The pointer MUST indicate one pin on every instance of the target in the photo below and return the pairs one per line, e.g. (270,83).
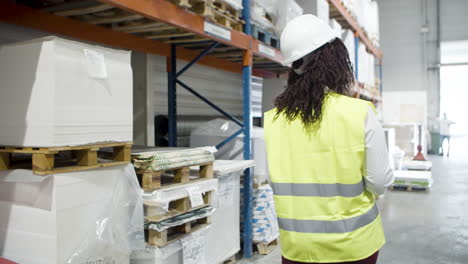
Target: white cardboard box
(74,218)
(57,92)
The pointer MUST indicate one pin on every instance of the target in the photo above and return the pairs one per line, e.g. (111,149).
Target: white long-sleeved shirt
(378,173)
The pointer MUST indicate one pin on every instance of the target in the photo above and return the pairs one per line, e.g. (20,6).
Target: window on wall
(454,85)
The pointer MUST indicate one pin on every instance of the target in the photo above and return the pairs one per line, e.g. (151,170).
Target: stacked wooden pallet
(45,161)
(214,10)
(176,201)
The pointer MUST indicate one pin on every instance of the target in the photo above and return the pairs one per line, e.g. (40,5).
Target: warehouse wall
(410,52)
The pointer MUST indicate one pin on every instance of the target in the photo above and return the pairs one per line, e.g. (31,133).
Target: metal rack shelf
(163,28)
(341,14)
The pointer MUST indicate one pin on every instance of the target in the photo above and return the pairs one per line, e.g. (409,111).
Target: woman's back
(324,212)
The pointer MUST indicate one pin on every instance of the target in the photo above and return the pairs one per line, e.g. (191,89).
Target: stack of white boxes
(56,92)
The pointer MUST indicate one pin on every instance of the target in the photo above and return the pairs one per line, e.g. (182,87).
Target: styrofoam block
(57,92)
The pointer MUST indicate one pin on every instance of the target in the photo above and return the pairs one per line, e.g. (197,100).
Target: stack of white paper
(57,92)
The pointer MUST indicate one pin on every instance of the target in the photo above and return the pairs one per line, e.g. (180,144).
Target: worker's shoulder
(344,99)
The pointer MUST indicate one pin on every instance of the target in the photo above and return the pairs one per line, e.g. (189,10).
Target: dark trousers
(370,260)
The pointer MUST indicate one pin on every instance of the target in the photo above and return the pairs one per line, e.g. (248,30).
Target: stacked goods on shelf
(366,13)
(225,225)
(262,15)
(287,10)
(178,204)
(57,92)
(224,12)
(217,130)
(366,67)
(61,99)
(337,28)
(348,40)
(265,226)
(319,8)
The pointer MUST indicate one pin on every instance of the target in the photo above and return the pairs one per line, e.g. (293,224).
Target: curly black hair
(329,68)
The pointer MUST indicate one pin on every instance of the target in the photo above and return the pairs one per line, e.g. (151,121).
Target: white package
(319,8)
(93,216)
(348,40)
(337,28)
(287,10)
(173,253)
(260,10)
(157,202)
(57,92)
(215,131)
(225,220)
(264,222)
(236,4)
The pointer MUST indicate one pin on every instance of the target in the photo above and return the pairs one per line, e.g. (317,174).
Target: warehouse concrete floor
(424,227)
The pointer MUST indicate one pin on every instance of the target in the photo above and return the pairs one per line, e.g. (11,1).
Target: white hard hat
(302,35)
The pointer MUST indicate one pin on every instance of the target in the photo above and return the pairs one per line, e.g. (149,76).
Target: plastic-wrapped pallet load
(287,10)
(262,13)
(413,178)
(348,40)
(225,220)
(319,8)
(265,225)
(236,4)
(337,28)
(57,92)
(92,216)
(215,131)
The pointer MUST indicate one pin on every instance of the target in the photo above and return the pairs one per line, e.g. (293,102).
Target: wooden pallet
(176,208)
(267,248)
(231,260)
(218,12)
(45,161)
(160,239)
(151,180)
(409,188)
(265,36)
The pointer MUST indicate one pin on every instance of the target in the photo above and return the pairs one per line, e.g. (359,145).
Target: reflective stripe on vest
(338,226)
(316,189)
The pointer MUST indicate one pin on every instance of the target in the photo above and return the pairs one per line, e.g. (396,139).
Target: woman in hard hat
(326,152)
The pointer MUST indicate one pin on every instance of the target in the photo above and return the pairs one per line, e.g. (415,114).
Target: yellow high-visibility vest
(324,213)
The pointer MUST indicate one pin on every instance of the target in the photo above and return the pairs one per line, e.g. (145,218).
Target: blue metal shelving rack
(246,123)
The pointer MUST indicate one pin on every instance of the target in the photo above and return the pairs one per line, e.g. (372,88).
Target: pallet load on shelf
(91,216)
(215,131)
(287,10)
(366,67)
(366,13)
(319,8)
(337,28)
(227,13)
(348,40)
(262,15)
(178,204)
(265,227)
(57,93)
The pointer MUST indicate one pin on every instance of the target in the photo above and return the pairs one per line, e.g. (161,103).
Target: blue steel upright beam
(248,182)
(171,96)
(356,56)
